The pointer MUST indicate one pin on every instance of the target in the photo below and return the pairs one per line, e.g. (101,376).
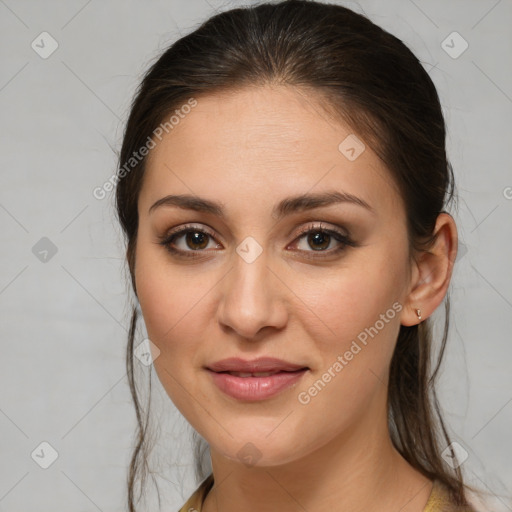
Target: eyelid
(319,226)
(342,236)
(185,227)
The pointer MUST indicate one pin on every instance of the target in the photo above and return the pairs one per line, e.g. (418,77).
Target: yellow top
(438,501)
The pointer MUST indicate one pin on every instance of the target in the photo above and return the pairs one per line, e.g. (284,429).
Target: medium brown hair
(371,80)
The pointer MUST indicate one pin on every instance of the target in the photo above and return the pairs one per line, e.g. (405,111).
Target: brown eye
(318,240)
(187,240)
(196,240)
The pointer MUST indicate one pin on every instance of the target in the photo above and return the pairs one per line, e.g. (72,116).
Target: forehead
(263,143)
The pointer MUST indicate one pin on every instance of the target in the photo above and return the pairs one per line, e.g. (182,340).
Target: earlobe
(432,274)
(411,315)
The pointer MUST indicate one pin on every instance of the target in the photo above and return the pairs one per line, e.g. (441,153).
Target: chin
(258,451)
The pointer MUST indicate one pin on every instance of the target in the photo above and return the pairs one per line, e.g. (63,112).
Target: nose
(253,298)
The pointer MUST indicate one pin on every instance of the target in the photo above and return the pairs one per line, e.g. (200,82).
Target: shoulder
(195,502)
(440,500)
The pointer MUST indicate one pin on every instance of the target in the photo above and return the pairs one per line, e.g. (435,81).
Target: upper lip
(262,364)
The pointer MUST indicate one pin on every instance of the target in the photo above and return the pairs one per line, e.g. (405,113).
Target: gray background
(64,320)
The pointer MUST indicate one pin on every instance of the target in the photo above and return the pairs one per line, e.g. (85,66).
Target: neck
(359,470)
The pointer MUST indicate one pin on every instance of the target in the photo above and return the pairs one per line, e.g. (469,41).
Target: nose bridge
(250,297)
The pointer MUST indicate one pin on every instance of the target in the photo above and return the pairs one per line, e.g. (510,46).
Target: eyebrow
(285,207)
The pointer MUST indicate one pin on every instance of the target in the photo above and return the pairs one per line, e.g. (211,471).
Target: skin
(249,149)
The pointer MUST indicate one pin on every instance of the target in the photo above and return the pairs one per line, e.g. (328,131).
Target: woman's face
(248,282)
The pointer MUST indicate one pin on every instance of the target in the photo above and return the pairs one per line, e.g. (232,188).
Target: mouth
(262,365)
(245,375)
(255,380)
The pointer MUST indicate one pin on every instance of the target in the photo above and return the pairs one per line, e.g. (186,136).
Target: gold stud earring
(418,312)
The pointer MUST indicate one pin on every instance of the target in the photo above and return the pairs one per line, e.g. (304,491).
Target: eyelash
(343,239)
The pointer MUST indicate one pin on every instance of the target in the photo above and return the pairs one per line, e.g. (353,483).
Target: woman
(282,185)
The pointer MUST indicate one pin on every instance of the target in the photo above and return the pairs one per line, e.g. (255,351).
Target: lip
(262,364)
(285,375)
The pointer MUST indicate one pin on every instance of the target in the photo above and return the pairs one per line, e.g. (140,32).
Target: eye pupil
(317,238)
(196,237)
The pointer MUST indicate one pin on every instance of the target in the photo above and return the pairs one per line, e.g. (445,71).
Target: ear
(431,273)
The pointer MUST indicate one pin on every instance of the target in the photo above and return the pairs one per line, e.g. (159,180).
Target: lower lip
(255,388)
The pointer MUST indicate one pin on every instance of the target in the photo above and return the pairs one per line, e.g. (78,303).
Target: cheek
(168,302)
(172,310)
(353,319)
(346,302)
(162,292)
(177,310)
